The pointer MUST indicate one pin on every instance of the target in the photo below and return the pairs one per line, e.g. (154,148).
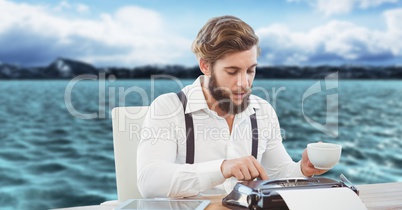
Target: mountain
(66,69)
(63,68)
(59,69)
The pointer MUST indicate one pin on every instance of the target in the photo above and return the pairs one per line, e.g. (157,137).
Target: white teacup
(324,156)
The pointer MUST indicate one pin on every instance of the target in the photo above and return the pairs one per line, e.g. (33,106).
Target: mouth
(240,95)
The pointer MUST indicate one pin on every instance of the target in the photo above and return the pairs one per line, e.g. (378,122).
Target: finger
(238,174)
(245,171)
(318,172)
(309,164)
(305,154)
(261,171)
(253,172)
(252,168)
(314,171)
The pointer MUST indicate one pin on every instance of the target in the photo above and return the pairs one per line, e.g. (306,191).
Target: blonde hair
(222,35)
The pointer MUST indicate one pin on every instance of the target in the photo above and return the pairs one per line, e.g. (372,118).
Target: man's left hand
(307,167)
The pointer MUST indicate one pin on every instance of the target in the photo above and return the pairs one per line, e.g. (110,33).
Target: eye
(231,73)
(251,71)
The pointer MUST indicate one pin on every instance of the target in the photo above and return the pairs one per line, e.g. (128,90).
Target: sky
(130,33)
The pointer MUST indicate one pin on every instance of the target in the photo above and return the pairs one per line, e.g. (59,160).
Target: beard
(222,96)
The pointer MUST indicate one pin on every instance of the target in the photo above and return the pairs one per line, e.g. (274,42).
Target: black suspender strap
(254,130)
(189,129)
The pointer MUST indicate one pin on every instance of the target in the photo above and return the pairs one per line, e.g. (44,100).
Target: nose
(243,80)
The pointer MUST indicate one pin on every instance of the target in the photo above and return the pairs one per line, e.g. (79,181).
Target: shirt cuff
(209,174)
(298,170)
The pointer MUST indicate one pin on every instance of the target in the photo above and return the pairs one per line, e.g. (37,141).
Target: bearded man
(218,132)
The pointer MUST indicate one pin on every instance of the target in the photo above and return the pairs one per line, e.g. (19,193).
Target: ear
(204,66)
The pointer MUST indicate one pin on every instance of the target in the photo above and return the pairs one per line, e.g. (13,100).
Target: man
(222,111)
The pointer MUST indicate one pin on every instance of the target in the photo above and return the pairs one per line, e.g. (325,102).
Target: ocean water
(52,157)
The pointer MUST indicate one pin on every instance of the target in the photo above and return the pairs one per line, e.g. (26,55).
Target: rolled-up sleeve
(275,158)
(279,164)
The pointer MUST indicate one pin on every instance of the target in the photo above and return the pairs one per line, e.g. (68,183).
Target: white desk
(385,196)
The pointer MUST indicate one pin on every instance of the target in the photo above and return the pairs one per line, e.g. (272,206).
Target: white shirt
(161,154)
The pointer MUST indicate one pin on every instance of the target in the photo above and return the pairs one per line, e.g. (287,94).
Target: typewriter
(263,194)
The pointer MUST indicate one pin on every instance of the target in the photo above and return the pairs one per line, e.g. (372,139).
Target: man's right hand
(245,168)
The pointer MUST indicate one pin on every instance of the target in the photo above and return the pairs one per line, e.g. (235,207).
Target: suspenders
(254,130)
(190,131)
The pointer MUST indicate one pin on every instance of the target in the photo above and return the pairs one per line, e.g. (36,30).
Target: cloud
(132,36)
(331,7)
(82,8)
(36,35)
(62,5)
(393,36)
(336,42)
(67,6)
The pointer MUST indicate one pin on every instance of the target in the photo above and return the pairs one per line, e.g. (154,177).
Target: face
(231,80)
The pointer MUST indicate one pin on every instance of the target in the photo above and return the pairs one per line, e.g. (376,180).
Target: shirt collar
(196,100)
